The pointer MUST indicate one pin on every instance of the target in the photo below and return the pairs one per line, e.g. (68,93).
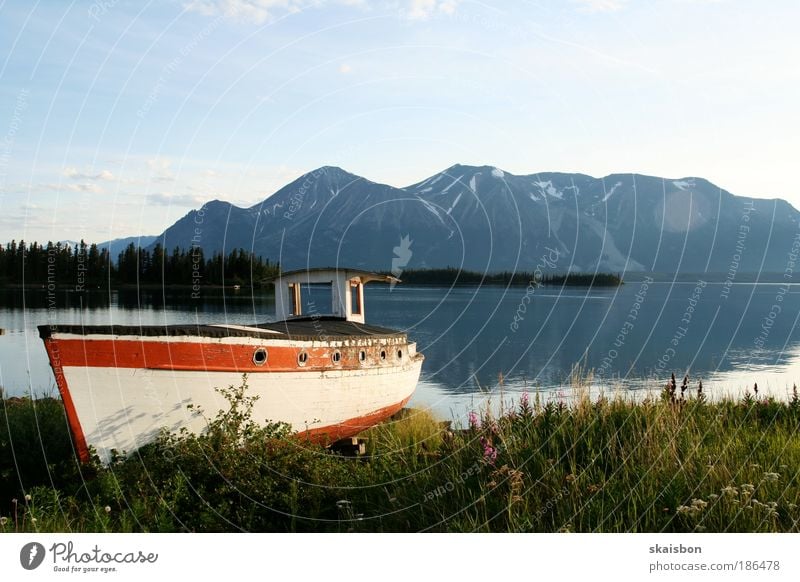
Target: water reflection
(476,339)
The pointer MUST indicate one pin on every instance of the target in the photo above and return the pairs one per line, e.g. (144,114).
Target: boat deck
(303,329)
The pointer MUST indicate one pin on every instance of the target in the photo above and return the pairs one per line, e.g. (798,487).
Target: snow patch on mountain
(453,183)
(547,188)
(498,173)
(611,191)
(432,209)
(681,184)
(453,205)
(473,183)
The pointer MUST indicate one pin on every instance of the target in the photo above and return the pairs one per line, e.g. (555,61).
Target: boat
(323,371)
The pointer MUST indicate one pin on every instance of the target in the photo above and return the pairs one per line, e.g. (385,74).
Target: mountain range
(482,218)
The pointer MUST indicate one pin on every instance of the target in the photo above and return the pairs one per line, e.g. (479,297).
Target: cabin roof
(365,276)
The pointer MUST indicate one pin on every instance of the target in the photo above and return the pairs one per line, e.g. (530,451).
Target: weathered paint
(225,356)
(120,392)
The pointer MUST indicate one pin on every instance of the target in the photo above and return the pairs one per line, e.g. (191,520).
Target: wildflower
(730,491)
(3,520)
(792,506)
(684,509)
(771,476)
(489,452)
(713,496)
(747,488)
(699,504)
(108,508)
(525,405)
(474,421)
(27,497)
(33,520)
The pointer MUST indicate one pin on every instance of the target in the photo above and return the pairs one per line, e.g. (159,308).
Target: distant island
(452,276)
(81,266)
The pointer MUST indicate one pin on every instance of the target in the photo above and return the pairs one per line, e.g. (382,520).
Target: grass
(607,465)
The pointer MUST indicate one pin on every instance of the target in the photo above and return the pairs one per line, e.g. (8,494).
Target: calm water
(632,337)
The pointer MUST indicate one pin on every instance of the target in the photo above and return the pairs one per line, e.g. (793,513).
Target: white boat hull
(126,408)
(122,386)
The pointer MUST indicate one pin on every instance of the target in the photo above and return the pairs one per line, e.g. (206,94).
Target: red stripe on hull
(57,364)
(215,357)
(330,434)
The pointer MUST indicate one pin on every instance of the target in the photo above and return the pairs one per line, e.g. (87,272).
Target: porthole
(362,356)
(383,354)
(336,357)
(302,358)
(260,357)
(399,354)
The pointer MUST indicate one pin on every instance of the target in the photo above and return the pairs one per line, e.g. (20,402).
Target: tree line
(84,266)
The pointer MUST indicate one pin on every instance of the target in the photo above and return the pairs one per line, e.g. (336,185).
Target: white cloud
(79,187)
(172,199)
(599,5)
(260,11)
(424,9)
(74,174)
(254,11)
(160,170)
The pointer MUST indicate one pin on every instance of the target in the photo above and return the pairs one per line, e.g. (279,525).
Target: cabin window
(336,357)
(260,357)
(294,298)
(399,354)
(383,354)
(355,298)
(317,299)
(362,356)
(302,358)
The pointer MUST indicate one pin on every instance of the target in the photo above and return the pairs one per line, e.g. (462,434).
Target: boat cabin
(331,292)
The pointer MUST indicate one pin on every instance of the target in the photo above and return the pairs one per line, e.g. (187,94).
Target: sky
(118,117)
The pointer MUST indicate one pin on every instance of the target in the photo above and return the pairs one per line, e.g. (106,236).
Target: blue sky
(119,117)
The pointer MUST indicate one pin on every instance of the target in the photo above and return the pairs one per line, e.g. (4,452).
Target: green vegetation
(452,276)
(665,464)
(88,267)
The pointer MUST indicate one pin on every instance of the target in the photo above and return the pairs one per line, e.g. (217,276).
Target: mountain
(117,245)
(482,218)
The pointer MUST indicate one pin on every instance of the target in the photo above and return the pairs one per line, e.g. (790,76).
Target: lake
(479,341)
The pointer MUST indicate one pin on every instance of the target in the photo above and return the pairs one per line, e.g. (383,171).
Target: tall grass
(607,464)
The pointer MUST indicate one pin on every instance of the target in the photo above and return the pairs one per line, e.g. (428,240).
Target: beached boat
(325,372)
